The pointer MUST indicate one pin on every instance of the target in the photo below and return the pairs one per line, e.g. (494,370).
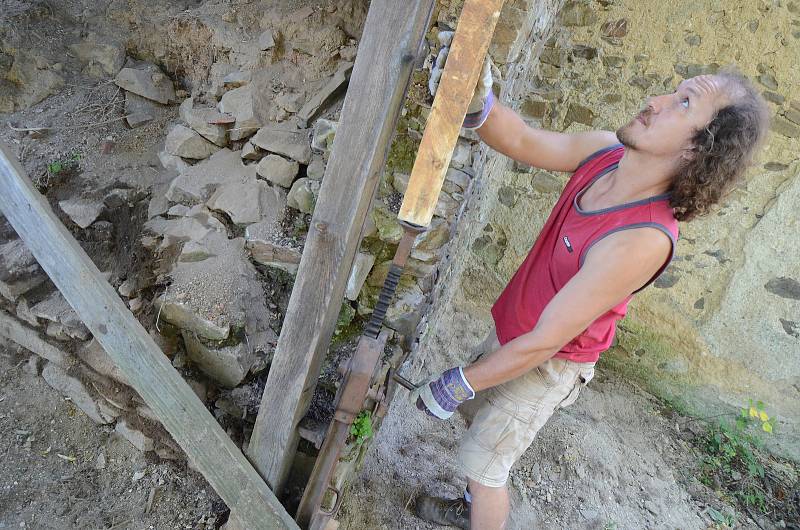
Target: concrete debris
(266,40)
(29,339)
(303,195)
(55,308)
(362,264)
(316,169)
(239,103)
(227,365)
(71,387)
(197,183)
(138,110)
(82,211)
(201,120)
(286,140)
(136,437)
(334,86)
(93,354)
(251,152)
(181,314)
(148,81)
(322,138)
(248,202)
(108,56)
(278,170)
(264,250)
(19,271)
(184,142)
(172,162)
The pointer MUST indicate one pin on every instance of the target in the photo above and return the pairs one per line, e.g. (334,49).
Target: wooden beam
(390,44)
(135,353)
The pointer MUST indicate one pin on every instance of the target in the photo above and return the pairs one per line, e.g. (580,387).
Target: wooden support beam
(389,46)
(135,353)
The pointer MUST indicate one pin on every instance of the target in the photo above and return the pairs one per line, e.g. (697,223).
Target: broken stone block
(446,205)
(236,79)
(172,162)
(29,339)
(82,211)
(334,86)
(324,132)
(139,110)
(286,140)
(137,438)
(263,249)
(248,202)
(180,314)
(201,120)
(456,181)
(303,195)
(405,313)
(290,101)
(148,81)
(109,56)
(93,354)
(71,387)
(197,183)
(251,152)
(227,365)
(186,143)
(266,40)
(388,227)
(362,264)
(316,169)
(239,103)
(437,234)
(24,313)
(56,309)
(278,170)
(19,271)
(197,225)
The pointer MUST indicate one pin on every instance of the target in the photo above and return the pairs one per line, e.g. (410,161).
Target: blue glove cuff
(476,119)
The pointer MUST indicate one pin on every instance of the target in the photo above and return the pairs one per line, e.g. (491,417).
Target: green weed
(362,427)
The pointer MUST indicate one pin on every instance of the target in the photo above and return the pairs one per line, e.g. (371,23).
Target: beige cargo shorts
(504,420)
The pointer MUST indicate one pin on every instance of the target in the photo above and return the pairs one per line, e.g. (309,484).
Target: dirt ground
(59,470)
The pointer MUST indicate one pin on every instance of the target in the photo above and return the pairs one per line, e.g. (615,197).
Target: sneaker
(448,512)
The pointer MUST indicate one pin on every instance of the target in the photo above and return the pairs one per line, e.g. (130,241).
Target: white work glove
(440,396)
(482,99)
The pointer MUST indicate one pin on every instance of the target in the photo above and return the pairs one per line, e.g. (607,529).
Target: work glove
(440,397)
(482,99)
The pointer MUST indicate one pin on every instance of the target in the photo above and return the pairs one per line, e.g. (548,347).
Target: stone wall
(720,327)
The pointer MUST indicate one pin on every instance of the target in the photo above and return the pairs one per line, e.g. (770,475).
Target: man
(612,232)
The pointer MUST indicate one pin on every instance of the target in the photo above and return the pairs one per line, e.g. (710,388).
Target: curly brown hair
(722,151)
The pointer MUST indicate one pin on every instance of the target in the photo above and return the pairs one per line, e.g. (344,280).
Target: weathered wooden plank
(135,353)
(390,43)
(471,40)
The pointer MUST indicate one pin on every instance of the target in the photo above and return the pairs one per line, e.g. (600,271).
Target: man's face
(668,122)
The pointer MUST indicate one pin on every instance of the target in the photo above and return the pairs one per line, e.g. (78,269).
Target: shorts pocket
(581,381)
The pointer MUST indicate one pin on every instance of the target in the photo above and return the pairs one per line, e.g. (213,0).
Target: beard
(625,137)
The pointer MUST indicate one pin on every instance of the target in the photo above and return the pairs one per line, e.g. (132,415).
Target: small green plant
(722,520)
(362,427)
(732,459)
(54,168)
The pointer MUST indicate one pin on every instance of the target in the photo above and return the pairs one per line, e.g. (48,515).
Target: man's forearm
(502,129)
(513,359)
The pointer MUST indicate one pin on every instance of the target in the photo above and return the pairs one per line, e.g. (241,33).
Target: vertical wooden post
(390,43)
(135,353)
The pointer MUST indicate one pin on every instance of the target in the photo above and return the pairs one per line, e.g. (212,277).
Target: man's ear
(688,154)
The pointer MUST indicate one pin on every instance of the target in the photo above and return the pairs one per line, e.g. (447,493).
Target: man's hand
(440,397)
(482,98)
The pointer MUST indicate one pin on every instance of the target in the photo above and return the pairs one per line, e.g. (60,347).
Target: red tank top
(559,253)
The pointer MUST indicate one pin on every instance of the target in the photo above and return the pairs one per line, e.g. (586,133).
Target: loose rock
(200,120)
(239,103)
(248,202)
(324,132)
(197,183)
(227,365)
(74,389)
(19,270)
(303,195)
(82,211)
(186,143)
(332,87)
(362,264)
(277,169)
(284,139)
(148,81)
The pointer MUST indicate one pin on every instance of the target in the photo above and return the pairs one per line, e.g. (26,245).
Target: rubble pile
(224,220)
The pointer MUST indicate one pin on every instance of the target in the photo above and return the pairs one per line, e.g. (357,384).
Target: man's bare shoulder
(587,143)
(629,257)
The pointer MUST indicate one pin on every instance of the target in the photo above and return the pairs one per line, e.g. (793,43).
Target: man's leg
(489,508)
